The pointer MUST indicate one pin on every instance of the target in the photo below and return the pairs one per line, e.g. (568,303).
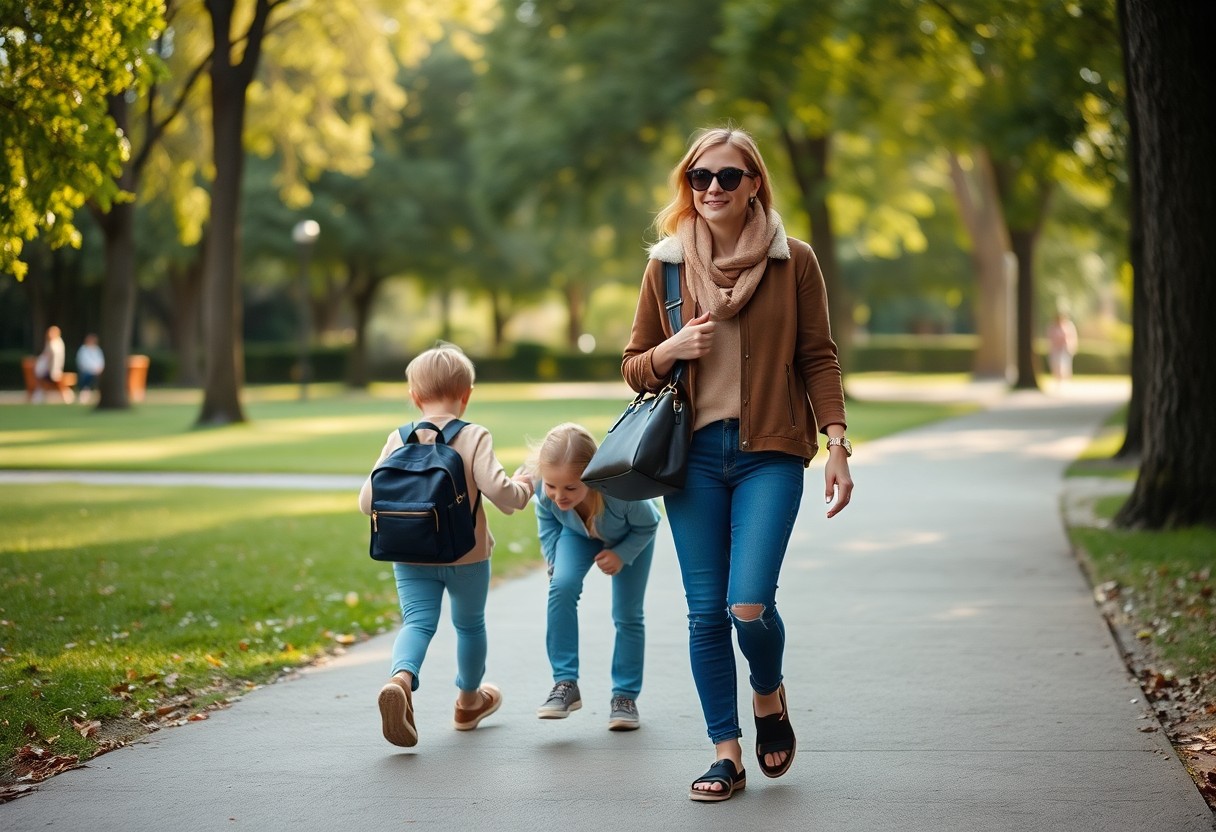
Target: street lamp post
(305,236)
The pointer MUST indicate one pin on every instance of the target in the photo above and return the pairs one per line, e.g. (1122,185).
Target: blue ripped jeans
(731,524)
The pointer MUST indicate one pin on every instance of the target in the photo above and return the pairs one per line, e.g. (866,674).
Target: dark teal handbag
(645,454)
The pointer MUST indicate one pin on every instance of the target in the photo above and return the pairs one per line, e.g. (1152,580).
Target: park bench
(137,379)
(62,388)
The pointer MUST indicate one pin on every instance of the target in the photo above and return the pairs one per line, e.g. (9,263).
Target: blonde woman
(763,379)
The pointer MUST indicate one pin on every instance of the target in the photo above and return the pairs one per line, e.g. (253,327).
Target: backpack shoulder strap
(444,437)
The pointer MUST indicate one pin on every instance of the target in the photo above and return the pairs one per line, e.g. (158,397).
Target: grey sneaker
(623,714)
(563,699)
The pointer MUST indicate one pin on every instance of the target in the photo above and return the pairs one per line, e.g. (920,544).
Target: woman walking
(763,378)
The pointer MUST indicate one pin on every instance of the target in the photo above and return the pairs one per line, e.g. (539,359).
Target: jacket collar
(671,250)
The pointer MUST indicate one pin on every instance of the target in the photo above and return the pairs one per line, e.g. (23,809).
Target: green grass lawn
(1163,579)
(122,605)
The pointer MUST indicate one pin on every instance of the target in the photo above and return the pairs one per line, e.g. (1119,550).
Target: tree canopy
(59,65)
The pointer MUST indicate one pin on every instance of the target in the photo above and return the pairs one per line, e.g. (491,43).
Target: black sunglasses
(728,178)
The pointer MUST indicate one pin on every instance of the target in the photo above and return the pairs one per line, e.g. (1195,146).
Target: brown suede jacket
(791,379)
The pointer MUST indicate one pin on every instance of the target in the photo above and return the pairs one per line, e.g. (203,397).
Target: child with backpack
(580,527)
(440,383)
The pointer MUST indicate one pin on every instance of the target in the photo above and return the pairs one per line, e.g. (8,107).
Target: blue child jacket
(625,527)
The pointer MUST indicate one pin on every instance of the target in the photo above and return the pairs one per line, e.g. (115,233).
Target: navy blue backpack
(421,512)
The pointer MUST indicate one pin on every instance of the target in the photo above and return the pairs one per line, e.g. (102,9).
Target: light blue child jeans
(573,558)
(420,590)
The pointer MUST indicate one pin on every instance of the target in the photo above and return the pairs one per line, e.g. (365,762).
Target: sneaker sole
(395,716)
(469,726)
(552,713)
(623,725)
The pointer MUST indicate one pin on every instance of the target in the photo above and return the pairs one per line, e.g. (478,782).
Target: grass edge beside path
(1157,595)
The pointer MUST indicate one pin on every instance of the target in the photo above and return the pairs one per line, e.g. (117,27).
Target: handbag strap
(673,303)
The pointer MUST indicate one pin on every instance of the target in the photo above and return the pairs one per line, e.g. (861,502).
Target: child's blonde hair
(441,373)
(573,445)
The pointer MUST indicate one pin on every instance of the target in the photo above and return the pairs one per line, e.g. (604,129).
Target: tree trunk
(809,159)
(118,288)
(979,206)
(1171,60)
(361,289)
(499,302)
(186,288)
(1133,438)
(223,351)
(1023,241)
(1024,207)
(575,303)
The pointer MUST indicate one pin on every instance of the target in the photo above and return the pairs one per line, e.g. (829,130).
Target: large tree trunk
(1171,59)
(223,350)
(118,289)
(221,295)
(979,206)
(1023,241)
(809,159)
(1024,210)
(1133,438)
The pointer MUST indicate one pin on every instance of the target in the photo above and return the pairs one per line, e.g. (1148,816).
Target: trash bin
(137,376)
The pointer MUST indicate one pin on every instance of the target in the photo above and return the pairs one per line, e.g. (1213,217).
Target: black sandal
(723,772)
(774,734)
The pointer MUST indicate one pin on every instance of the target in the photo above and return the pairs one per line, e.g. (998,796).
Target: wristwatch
(842,442)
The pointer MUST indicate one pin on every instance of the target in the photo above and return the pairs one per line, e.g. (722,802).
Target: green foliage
(59,64)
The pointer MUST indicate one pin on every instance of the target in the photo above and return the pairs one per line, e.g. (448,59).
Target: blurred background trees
(487,170)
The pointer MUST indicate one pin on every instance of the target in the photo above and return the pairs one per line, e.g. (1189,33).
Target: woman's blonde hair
(573,445)
(668,219)
(441,373)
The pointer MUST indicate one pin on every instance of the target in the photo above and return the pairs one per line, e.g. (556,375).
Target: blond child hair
(441,373)
(573,445)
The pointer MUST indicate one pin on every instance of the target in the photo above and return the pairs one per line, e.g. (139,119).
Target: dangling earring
(751,200)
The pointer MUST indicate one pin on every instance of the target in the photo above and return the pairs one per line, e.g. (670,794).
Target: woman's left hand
(838,481)
(609,562)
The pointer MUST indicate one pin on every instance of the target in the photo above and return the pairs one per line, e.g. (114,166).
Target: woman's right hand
(693,340)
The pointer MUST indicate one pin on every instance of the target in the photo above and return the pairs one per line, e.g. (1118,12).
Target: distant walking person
(89,363)
(1062,346)
(48,368)
(763,376)
(440,382)
(580,528)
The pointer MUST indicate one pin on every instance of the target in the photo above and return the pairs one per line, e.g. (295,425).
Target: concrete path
(947,670)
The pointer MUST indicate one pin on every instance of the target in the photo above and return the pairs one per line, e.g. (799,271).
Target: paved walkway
(947,670)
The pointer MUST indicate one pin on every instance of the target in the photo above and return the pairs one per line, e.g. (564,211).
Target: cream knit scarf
(724,285)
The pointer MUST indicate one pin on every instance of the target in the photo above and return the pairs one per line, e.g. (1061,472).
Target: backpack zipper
(376,516)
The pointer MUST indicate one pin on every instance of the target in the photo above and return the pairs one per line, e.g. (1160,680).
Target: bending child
(440,382)
(579,527)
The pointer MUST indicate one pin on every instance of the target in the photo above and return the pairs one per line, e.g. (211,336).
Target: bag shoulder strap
(673,304)
(444,437)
